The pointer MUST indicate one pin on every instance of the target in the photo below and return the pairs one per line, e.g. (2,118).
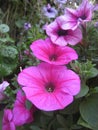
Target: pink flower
(63,37)
(73,18)
(46,51)
(8,123)
(49,87)
(21,114)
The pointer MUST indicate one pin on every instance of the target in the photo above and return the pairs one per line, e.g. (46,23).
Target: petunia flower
(49,87)
(60,1)
(3,86)
(27,26)
(46,51)
(95,7)
(73,18)
(63,37)
(7,123)
(49,11)
(22,115)
(96,25)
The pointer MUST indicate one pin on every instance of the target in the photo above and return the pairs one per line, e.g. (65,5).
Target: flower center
(83,17)
(62,32)
(50,87)
(49,10)
(53,57)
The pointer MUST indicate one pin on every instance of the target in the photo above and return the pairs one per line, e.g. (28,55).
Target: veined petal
(67,22)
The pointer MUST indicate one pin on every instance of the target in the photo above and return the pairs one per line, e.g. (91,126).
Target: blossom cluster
(19,115)
(51,85)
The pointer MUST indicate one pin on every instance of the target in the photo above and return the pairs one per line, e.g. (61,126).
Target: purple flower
(27,26)
(49,11)
(63,37)
(96,24)
(3,86)
(95,7)
(72,18)
(61,1)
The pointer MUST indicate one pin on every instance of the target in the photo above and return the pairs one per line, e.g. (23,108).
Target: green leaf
(36,121)
(28,104)
(6,39)
(89,110)
(35,127)
(4,28)
(48,113)
(72,108)
(8,60)
(6,69)
(62,129)
(19,23)
(94,73)
(9,52)
(1,117)
(96,89)
(62,121)
(84,90)
(85,70)
(83,123)
(76,127)
(44,120)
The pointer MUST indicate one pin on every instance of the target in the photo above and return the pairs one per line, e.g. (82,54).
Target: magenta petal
(67,21)
(20,109)
(48,102)
(84,11)
(8,123)
(74,37)
(9,126)
(25,78)
(26,116)
(66,55)
(41,49)
(61,41)
(70,83)
(8,116)
(51,29)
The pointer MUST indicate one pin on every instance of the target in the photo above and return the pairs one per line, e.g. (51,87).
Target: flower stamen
(50,87)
